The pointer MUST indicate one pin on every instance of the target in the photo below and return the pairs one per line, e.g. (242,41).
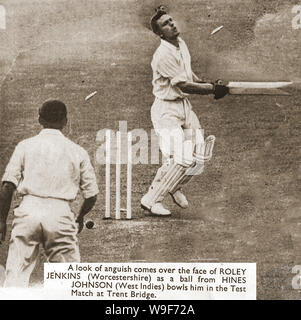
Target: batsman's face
(168,27)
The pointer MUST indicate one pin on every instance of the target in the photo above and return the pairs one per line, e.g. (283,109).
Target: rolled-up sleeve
(14,170)
(88,183)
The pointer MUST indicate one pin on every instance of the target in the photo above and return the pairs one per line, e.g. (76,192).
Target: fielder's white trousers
(45,221)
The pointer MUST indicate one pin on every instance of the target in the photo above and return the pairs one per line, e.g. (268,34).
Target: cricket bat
(258,88)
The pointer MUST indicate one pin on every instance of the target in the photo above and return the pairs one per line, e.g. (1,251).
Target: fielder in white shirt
(47,170)
(181,139)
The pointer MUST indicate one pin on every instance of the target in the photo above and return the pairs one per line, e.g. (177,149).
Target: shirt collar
(169,45)
(51,131)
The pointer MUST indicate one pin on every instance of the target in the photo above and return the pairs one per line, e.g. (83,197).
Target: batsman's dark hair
(160,11)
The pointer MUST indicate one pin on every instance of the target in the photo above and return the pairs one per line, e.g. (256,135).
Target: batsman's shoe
(180,199)
(156,209)
(159,210)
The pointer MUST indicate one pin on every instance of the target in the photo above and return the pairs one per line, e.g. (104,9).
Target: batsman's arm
(217,89)
(196,88)
(6,195)
(86,207)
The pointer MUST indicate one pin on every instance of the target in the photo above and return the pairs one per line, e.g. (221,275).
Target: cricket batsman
(47,170)
(180,137)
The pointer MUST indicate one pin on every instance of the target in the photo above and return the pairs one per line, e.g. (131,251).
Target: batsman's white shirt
(49,165)
(171,65)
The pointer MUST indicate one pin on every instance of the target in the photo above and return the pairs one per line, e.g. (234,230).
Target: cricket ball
(89,224)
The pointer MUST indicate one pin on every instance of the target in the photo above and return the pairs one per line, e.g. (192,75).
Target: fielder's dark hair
(53,111)
(160,11)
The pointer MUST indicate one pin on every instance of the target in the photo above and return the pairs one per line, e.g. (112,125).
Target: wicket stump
(118,209)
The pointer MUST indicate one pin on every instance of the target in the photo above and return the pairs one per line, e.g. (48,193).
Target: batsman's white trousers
(173,116)
(45,221)
(168,117)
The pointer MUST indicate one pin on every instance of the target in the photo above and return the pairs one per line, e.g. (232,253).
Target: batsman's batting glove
(219,89)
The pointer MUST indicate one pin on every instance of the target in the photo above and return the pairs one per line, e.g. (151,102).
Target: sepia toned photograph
(160,138)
